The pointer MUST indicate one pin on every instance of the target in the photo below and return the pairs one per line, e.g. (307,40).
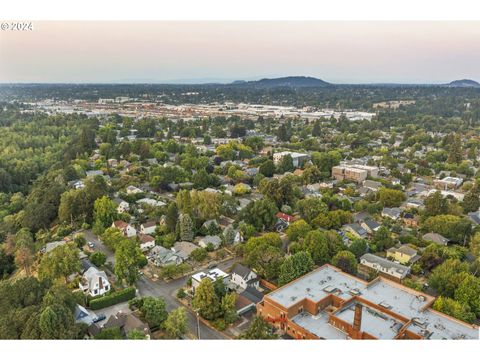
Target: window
(95,292)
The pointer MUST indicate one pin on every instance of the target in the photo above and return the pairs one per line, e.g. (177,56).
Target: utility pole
(198,323)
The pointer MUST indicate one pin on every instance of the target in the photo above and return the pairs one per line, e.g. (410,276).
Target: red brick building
(330,304)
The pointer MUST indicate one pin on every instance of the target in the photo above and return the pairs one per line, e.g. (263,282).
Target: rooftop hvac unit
(385,305)
(355,292)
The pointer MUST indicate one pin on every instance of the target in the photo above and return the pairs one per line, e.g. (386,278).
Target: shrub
(219,324)
(199,254)
(181,294)
(142,262)
(112,298)
(210,247)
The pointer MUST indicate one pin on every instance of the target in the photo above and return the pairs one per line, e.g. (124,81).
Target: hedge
(113,298)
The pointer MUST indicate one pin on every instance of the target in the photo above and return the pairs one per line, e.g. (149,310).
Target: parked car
(91,245)
(99,318)
(212,265)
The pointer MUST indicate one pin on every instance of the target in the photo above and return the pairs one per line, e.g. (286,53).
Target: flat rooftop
(442,327)
(401,300)
(317,285)
(374,322)
(396,298)
(318,325)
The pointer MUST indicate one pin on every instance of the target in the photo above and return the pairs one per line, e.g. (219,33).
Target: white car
(91,245)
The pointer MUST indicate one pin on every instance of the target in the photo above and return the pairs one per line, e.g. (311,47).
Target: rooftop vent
(419,322)
(385,305)
(355,292)
(329,289)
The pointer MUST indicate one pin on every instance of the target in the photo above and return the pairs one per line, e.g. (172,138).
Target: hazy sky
(342,52)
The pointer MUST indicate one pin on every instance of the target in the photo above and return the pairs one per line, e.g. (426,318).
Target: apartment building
(448,183)
(342,172)
(330,304)
(387,268)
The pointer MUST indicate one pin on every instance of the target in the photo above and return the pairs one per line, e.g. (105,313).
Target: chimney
(357,320)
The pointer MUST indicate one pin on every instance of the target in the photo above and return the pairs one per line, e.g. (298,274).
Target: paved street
(161,288)
(168,290)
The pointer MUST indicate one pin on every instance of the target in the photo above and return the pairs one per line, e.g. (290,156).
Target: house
(210,224)
(281,225)
(436,238)
(410,220)
(148,228)
(370,226)
(151,202)
(94,282)
(243,304)
(161,256)
(287,218)
(83,316)
(184,249)
(474,217)
(213,275)
(251,171)
(93,173)
(52,245)
(126,229)
(385,267)
(298,159)
(372,185)
(403,254)
(237,235)
(127,323)
(355,229)
(132,190)
(147,242)
(392,213)
(243,277)
(76,184)
(413,203)
(122,205)
(210,239)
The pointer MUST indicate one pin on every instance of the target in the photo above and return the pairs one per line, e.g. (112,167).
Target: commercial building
(330,304)
(298,158)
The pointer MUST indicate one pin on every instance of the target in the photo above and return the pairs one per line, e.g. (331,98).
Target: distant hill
(464,83)
(289,81)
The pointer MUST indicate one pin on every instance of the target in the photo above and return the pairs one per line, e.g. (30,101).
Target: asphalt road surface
(168,290)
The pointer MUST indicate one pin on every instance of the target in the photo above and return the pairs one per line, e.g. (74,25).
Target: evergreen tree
(186,228)
(455,155)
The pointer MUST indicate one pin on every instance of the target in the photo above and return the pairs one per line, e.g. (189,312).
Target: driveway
(160,288)
(99,246)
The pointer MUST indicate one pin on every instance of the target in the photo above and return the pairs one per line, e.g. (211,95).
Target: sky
(197,52)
